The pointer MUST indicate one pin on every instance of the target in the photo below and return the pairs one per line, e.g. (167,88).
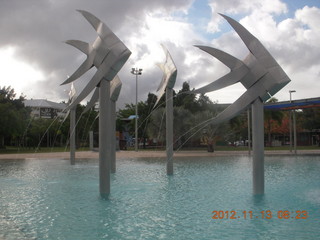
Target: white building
(42,108)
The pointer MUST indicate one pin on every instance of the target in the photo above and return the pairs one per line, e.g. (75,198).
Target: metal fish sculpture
(259,73)
(115,89)
(169,70)
(107,53)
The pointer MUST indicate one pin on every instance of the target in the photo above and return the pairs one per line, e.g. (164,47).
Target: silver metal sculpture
(115,89)
(108,54)
(166,86)
(72,96)
(72,129)
(262,76)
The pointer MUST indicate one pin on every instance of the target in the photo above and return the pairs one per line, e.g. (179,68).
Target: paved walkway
(149,154)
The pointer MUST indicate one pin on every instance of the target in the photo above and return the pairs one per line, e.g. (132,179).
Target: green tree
(237,128)
(124,125)
(185,99)
(182,121)
(273,119)
(41,133)
(156,127)
(85,122)
(14,117)
(311,119)
(144,113)
(207,132)
(205,104)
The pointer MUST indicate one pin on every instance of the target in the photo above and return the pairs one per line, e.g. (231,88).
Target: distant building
(42,108)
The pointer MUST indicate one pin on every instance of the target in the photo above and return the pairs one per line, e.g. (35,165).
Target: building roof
(43,103)
(294,104)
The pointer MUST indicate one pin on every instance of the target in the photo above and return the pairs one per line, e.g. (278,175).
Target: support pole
(91,140)
(290,128)
(294,132)
(113,136)
(73,136)
(136,147)
(169,130)
(104,138)
(249,131)
(258,147)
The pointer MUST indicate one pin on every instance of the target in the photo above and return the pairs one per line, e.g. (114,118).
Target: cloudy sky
(34,59)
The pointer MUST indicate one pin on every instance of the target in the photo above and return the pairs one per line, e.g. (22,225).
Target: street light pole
(136,71)
(290,122)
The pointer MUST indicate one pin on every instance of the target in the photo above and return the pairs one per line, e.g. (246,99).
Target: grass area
(14,150)
(228,148)
(245,148)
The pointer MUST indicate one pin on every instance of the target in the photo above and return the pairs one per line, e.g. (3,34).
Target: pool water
(50,199)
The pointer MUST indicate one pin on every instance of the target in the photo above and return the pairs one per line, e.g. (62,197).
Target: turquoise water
(49,199)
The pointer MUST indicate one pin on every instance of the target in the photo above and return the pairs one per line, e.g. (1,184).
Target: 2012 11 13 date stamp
(265,214)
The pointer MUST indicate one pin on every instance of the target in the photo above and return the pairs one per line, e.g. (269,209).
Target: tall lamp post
(136,71)
(290,123)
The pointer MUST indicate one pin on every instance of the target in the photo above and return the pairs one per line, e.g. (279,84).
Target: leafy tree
(7,94)
(205,104)
(208,132)
(185,99)
(182,122)
(129,125)
(187,115)
(41,133)
(126,125)
(238,128)
(85,122)
(144,112)
(13,117)
(156,127)
(273,119)
(311,118)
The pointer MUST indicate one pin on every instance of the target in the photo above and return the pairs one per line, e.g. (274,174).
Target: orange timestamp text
(265,214)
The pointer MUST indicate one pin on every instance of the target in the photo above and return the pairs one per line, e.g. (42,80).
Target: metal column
(294,132)
(290,128)
(169,130)
(136,147)
(73,136)
(104,138)
(258,147)
(113,136)
(91,140)
(249,131)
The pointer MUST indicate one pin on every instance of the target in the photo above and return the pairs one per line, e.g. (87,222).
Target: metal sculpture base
(258,147)
(113,136)
(73,136)
(104,138)
(91,140)
(169,130)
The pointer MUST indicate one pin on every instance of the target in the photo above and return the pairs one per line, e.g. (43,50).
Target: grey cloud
(38,28)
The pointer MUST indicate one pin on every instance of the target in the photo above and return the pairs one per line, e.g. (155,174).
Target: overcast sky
(34,59)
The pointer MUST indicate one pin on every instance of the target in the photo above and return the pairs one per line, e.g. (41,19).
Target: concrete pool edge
(151,154)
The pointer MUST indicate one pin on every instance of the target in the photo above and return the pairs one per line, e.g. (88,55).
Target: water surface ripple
(50,199)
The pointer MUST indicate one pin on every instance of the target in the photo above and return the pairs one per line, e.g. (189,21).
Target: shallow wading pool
(207,198)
